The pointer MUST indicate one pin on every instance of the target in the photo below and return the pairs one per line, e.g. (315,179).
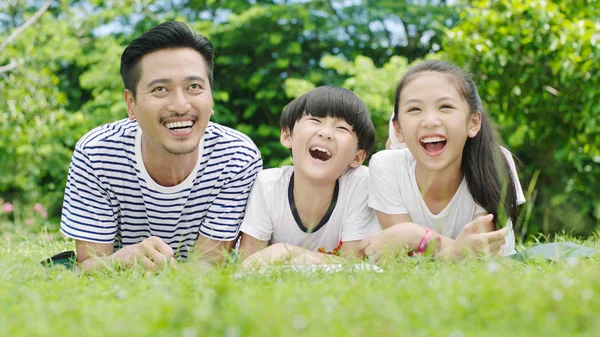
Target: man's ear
(286,138)
(398,131)
(474,124)
(359,158)
(130,101)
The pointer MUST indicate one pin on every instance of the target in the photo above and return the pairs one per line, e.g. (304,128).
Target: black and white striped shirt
(110,197)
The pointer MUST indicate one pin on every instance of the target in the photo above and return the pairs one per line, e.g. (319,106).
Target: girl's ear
(359,158)
(130,101)
(398,131)
(474,124)
(286,138)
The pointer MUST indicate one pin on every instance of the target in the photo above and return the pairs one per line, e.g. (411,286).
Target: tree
(535,65)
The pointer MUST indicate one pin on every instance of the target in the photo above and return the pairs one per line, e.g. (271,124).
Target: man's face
(173,103)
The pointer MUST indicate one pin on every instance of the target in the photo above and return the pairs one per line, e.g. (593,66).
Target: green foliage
(535,62)
(37,134)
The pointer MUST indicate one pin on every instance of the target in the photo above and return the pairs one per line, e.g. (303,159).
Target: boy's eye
(313,119)
(344,128)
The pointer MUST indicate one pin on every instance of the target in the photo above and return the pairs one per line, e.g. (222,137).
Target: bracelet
(424,243)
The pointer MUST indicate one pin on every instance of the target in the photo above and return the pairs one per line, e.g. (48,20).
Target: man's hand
(152,253)
(473,239)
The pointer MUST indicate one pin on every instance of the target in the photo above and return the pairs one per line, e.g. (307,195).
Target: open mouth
(180,126)
(433,144)
(320,153)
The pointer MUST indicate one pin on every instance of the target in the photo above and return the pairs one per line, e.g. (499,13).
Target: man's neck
(168,169)
(312,199)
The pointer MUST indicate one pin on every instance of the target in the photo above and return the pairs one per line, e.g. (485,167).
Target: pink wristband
(429,234)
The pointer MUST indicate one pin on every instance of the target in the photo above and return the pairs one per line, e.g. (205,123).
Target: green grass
(412,297)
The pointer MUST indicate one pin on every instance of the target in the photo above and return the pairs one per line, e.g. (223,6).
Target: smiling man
(149,188)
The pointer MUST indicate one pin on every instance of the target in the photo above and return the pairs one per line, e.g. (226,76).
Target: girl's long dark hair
(483,165)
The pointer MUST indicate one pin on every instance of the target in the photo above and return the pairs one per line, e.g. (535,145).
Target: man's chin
(180,150)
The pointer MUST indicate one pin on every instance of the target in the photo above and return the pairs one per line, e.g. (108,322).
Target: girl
(452,185)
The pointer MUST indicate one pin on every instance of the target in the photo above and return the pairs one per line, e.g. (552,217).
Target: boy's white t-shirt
(393,189)
(270,217)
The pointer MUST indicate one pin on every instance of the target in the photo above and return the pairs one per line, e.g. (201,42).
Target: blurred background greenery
(536,64)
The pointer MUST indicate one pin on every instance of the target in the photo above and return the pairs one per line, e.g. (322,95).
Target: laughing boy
(317,207)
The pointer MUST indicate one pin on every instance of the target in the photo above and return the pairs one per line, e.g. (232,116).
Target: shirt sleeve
(384,191)
(257,221)
(225,214)
(361,221)
(514,175)
(87,212)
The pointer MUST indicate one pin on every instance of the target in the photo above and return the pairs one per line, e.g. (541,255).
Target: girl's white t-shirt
(270,211)
(393,189)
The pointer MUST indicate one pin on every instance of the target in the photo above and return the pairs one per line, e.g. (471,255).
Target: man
(148,188)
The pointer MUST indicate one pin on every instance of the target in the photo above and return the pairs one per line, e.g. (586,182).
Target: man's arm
(220,228)
(152,254)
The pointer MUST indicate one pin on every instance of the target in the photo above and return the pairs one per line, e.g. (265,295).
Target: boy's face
(323,147)
(173,101)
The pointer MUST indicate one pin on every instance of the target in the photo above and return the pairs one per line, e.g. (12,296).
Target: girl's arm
(400,232)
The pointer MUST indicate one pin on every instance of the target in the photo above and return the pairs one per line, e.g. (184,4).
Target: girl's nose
(430,119)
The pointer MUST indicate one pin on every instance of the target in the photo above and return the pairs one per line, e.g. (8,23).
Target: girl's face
(434,120)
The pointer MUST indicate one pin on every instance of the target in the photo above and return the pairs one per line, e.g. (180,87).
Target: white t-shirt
(395,144)
(393,189)
(271,216)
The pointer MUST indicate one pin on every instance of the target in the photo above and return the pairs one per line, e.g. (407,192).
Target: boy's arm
(287,254)
(250,245)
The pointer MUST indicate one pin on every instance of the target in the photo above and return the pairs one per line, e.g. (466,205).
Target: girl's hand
(471,240)
(404,235)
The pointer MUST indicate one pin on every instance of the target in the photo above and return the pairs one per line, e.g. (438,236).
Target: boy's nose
(325,133)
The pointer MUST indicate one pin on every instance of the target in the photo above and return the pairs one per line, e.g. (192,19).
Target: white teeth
(183,124)
(320,149)
(433,139)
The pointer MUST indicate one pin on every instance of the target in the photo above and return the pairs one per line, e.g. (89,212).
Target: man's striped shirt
(110,197)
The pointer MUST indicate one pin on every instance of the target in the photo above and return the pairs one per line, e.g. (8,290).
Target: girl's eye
(344,128)
(413,109)
(446,106)
(312,119)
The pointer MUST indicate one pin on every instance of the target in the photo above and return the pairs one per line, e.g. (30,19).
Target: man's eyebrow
(158,80)
(195,78)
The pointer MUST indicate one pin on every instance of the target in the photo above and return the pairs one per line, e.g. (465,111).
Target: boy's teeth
(434,139)
(316,148)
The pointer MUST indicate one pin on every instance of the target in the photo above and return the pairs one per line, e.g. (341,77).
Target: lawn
(412,297)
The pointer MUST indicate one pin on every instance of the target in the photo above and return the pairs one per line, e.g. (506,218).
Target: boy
(319,205)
